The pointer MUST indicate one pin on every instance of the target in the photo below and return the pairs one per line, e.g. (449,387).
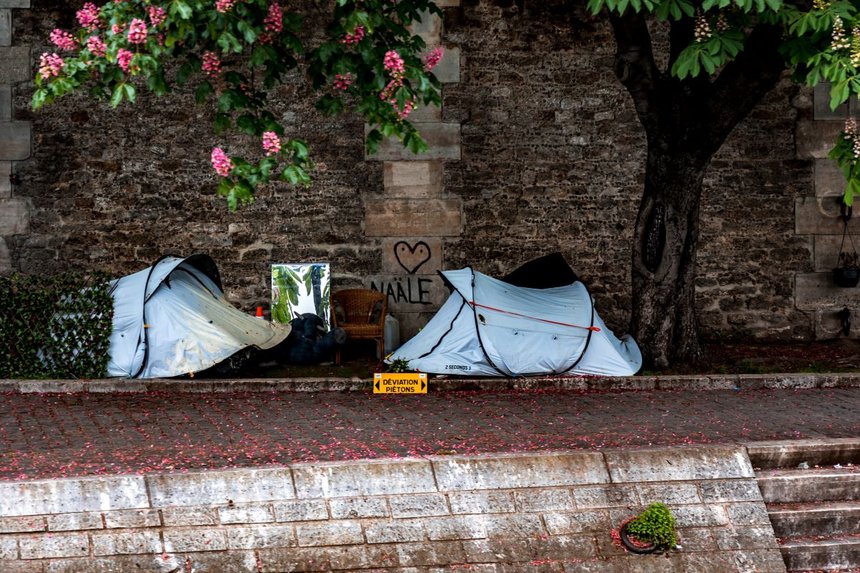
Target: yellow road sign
(400,383)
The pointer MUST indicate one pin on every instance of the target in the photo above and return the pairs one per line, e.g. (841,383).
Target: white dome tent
(172,318)
(490,327)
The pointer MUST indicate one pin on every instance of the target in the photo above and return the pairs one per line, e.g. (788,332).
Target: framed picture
(298,288)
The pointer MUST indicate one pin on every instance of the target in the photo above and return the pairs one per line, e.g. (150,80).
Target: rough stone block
(605,496)
(426,114)
(828,323)
(718,491)
(261,537)
(5,179)
(300,510)
(458,527)
(577,522)
(15,139)
(443,140)
(22,524)
(174,516)
(820,216)
(700,515)
(530,501)
(413,217)
(220,487)
(18,3)
(46,546)
(72,496)
(828,179)
(750,513)
(132,518)
(676,493)
(358,507)
(429,27)
(482,502)
(814,291)
(75,521)
(363,558)
(458,473)
(415,179)
(418,505)
(372,477)
(448,69)
(14,63)
(826,249)
(329,533)
(435,554)
(821,104)
(815,138)
(5,27)
(195,539)
(8,566)
(8,548)
(676,464)
(447,3)
(246,514)
(735,538)
(410,294)
(127,542)
(394,532)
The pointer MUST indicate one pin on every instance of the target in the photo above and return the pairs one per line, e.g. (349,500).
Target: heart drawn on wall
(411,258)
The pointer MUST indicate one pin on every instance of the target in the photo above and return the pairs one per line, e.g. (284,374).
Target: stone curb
(739,382)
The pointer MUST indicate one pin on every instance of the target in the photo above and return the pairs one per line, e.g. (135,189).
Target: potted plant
(651,530)
(847,271)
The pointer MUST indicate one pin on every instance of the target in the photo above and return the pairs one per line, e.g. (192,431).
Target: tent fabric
(489,327)
(172,318)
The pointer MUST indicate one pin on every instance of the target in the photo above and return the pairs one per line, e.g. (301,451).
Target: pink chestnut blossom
(63,40)
(88,16)
(50,65)
(342,81)
(137,31)
(224,6)
(123,58)
(220,162)
(271,143)
(432,58)
(96,46)
(211,64)
(393,63)
(157,15)
(355,37)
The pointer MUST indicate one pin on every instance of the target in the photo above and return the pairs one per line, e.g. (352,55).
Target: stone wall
(538,149)
(517,512)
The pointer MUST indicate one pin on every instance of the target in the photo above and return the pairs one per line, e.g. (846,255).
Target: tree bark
(686,123)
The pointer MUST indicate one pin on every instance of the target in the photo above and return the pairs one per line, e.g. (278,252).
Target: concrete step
(814,484)
(832,554)
(804,520)
(824,452)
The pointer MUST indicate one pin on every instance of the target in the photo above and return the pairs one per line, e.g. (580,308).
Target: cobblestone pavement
(59,435)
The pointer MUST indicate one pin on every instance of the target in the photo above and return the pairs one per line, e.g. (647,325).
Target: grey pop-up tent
(490,327)
(172,318)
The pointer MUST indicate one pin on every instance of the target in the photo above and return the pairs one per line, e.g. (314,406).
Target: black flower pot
(635,547)
(846,277)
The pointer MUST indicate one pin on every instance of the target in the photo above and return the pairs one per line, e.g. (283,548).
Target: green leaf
(203,91)
(130,93)
(116,98)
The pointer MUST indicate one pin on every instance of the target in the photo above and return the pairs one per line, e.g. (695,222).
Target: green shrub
(399,365)
(655,525)
(55,327)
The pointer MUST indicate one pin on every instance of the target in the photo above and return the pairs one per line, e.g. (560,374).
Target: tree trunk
(685,123)
(663,317)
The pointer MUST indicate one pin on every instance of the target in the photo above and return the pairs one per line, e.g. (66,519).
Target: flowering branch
(370,63)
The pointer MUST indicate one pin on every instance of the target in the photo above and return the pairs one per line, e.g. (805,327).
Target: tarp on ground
(489,327)
(172,319)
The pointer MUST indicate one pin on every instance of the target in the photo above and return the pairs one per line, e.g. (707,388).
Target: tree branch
(634,64)
(743,83)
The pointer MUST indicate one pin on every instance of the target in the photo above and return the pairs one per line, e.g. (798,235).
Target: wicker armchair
(361,314)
